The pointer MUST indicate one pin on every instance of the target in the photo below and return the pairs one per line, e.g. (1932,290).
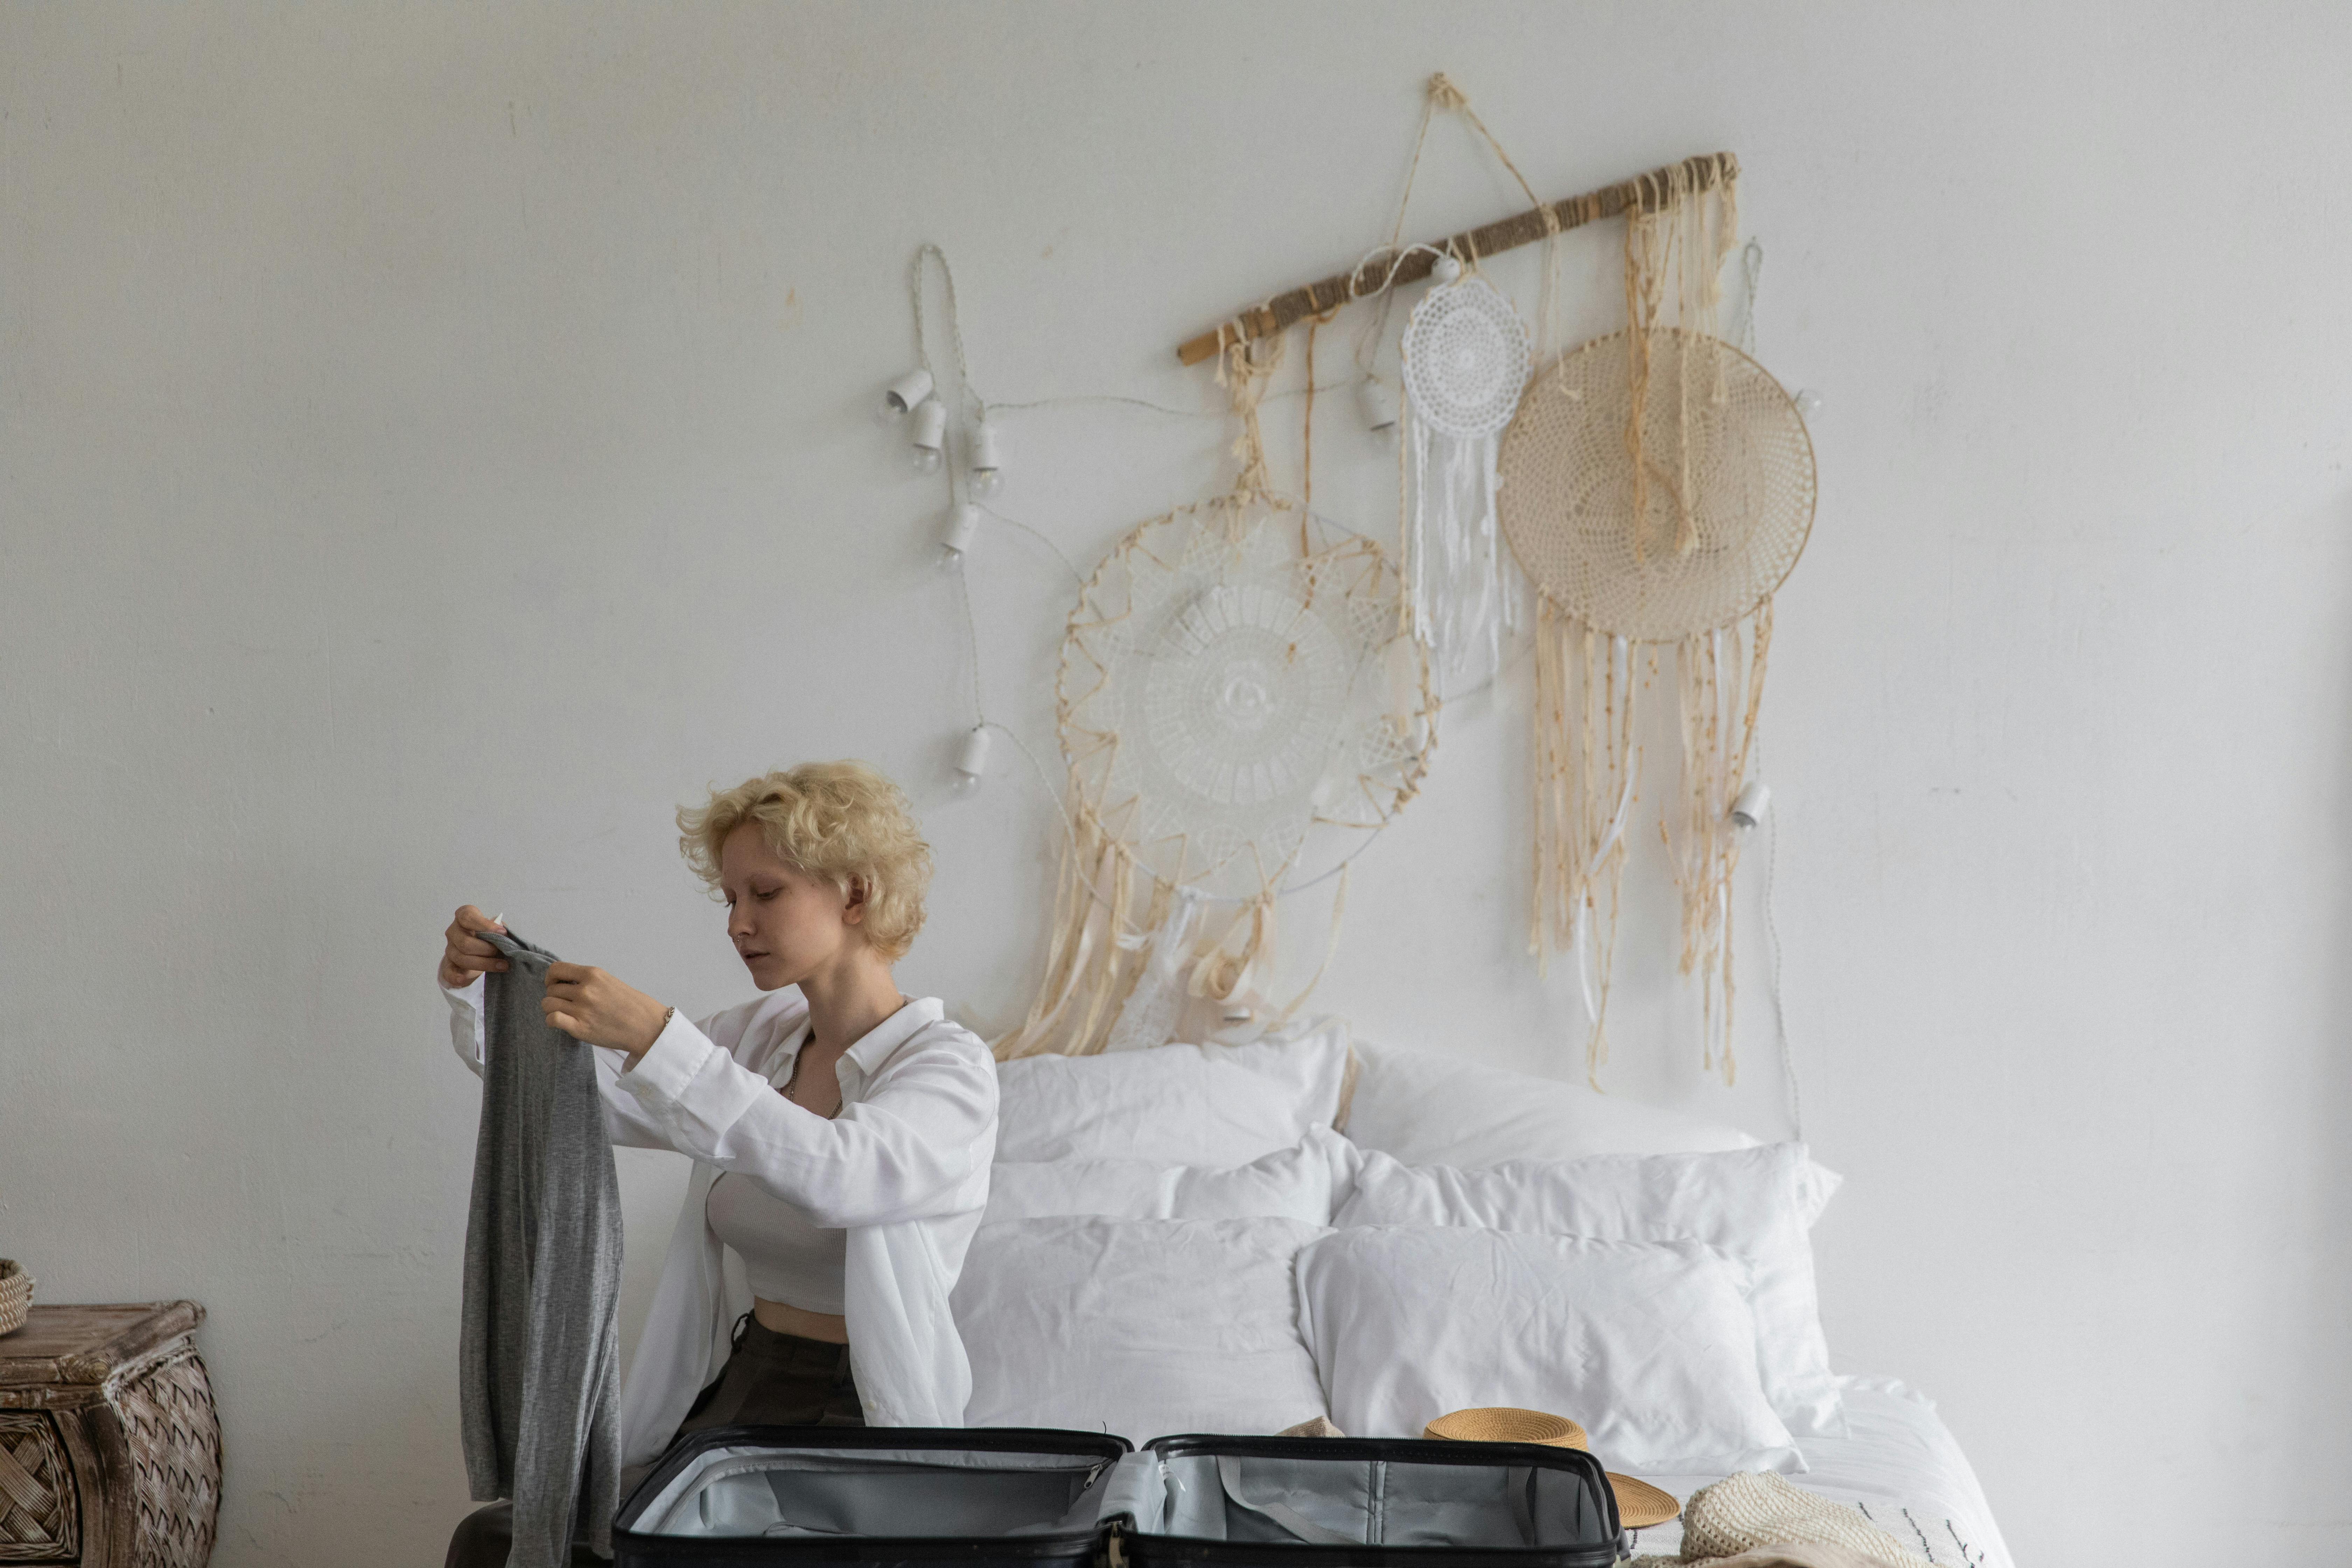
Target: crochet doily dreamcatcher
(1240,703)
(1467,357)
(1658,486)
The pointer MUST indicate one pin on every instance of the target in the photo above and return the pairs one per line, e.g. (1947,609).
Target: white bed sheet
(1900,1463)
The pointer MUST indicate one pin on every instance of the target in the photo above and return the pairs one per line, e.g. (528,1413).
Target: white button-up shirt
(903,1169)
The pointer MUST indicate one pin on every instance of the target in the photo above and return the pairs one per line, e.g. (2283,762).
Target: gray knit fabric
(539,1365)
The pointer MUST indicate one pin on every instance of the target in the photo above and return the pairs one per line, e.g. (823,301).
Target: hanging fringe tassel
(1463,588)
(1586,785)
(1720,688)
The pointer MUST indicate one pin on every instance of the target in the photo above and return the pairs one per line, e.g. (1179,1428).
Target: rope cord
(1068,564)
(1073,399)
(1796,1105)
(971,638)
(973,406)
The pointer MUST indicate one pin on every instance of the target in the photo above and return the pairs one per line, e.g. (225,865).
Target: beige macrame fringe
(1682,232)
(1587,763)
(1720,685)
(1587,784)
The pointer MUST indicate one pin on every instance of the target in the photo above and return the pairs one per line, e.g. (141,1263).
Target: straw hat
(1639,1504)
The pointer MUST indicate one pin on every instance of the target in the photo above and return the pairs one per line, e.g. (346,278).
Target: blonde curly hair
(842,821)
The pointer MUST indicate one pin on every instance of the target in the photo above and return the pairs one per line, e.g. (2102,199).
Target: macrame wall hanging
(1657,487)
(1235,683)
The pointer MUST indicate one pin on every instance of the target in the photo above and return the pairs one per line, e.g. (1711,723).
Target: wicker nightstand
(110,1450)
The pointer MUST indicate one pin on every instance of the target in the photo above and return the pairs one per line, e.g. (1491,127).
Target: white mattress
(1900,1463)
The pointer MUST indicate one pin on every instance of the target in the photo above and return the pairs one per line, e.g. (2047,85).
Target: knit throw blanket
(1759,1520)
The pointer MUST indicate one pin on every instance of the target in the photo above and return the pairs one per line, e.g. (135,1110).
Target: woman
(840,1133)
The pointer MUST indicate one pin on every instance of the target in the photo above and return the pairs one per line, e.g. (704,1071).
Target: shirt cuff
(670,1063)
(466,1008)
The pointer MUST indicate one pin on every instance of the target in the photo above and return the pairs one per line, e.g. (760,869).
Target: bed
(1242,1238)
(1900,1466)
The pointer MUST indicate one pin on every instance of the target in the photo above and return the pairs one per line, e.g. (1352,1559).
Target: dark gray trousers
(538,1362)
(771,1380)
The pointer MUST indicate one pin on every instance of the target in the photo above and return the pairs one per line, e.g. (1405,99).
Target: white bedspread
(1900,1463)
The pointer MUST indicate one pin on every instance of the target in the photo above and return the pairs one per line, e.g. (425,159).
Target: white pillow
(1431,1109)
(1171,1105)
(1751,1204)
(1651,1346)
(1142,1329)
(1301,1183)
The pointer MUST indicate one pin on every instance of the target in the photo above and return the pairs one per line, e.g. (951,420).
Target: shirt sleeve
(902,1153)
(466,1021)
(625,1122)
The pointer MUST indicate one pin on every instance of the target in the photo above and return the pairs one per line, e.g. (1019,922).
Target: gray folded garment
(539,1362)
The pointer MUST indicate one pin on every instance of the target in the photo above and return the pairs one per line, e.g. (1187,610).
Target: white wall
(434,443)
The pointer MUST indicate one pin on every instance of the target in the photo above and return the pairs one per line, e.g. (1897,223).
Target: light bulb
(930,435)
(1378,409)
(1754,801)
(963,522)
(1809,402)
(987,471)
(902,394)
(971,762)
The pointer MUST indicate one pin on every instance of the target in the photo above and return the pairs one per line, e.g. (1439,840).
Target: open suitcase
(1013,1498)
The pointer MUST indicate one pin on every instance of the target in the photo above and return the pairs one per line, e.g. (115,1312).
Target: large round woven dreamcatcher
(1467,357)
(1240,704)
(1658,485)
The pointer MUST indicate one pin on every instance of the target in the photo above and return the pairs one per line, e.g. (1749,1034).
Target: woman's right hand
(467,953)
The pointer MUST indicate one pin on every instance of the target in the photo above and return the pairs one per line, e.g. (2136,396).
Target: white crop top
(785,1256)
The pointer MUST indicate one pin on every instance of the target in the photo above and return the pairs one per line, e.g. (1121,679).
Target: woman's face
(785,924)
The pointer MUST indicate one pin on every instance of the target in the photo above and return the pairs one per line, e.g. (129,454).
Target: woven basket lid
(1639,1504)
(15,1296)
(1715,423)
(1465,359)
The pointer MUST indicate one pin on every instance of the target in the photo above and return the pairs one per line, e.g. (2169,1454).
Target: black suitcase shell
(1252,1502)
(977,1484)
(1024,1498)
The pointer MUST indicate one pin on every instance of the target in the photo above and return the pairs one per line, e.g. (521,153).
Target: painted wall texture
(434,442)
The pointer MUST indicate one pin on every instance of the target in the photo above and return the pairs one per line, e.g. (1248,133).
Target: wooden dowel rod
(1643,190)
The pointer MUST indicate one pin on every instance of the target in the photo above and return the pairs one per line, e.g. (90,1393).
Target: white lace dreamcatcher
(1466,358)
(1236,688)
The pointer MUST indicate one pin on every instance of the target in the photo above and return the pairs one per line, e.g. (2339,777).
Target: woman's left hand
(594,1007)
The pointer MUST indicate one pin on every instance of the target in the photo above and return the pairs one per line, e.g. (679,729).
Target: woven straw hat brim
(1639,1504)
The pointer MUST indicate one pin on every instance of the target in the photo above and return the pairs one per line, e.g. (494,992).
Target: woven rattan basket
(16,1295)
